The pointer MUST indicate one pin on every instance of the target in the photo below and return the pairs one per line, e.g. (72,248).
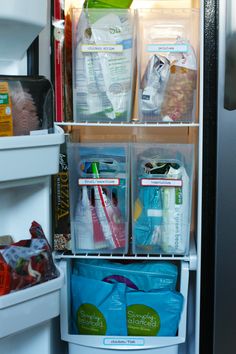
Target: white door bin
(30,156)
(29,307)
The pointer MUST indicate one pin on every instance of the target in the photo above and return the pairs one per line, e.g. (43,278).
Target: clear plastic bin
(168,44)
(102,50)
(99,199)
(162,198)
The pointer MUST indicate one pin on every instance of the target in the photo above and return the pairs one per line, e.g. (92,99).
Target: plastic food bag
(178,103)
(103,45)
(153,85)
(98,308)
(144,276)
(154,313)
(27,262)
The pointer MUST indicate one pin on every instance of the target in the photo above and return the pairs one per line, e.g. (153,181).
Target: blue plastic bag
(148,220)
(154,313)
(98,308)
(144,276)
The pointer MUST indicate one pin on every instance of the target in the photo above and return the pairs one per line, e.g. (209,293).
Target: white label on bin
(161,182)
(99,181)
(39,132)
(104,48)
(170,48)
(154,213)
(124,341)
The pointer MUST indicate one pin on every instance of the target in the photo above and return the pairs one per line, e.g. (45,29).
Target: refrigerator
(37,320)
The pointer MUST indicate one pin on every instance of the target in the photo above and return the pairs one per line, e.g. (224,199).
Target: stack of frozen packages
(135,299)
(162,189)
(102,64)
(26,105)
(98,197)
(167,66)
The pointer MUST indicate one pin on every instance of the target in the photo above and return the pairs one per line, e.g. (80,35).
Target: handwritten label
(124,341)
(103,48)
(170,48)
(161,182)
(99,182)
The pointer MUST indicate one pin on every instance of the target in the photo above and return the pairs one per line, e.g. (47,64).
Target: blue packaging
(144,276)
(98,308)
(154,313)
(147,228)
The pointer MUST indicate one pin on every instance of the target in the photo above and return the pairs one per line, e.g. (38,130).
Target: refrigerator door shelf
(30,156)
(29,307)
(86,344)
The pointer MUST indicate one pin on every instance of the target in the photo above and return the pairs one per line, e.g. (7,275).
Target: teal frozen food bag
(144,276)
(154,313)
(98,308)
(148,222)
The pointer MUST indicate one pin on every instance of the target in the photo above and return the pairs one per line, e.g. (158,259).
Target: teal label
(90,320)
(4,98)
(142,320)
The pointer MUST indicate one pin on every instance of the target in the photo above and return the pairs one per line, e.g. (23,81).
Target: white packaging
(175,213)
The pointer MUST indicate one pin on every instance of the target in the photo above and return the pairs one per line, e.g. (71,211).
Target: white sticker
(170,48)
(124,341)
(98,181)
(154,213)
(39,132)
(105,48)
(161,182)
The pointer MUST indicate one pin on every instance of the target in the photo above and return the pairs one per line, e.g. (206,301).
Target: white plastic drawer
(86,344)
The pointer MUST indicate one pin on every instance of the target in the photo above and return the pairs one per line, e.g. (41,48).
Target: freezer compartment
(99,198)
(24,157)
(90,343)
(29,307)
(162,198)
(168,44)
(103,64)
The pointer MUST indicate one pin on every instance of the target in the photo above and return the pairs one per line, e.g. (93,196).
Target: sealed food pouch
(153,85)
(98,308)
(144,276)
(175,228)
(179,98)
(154,313)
